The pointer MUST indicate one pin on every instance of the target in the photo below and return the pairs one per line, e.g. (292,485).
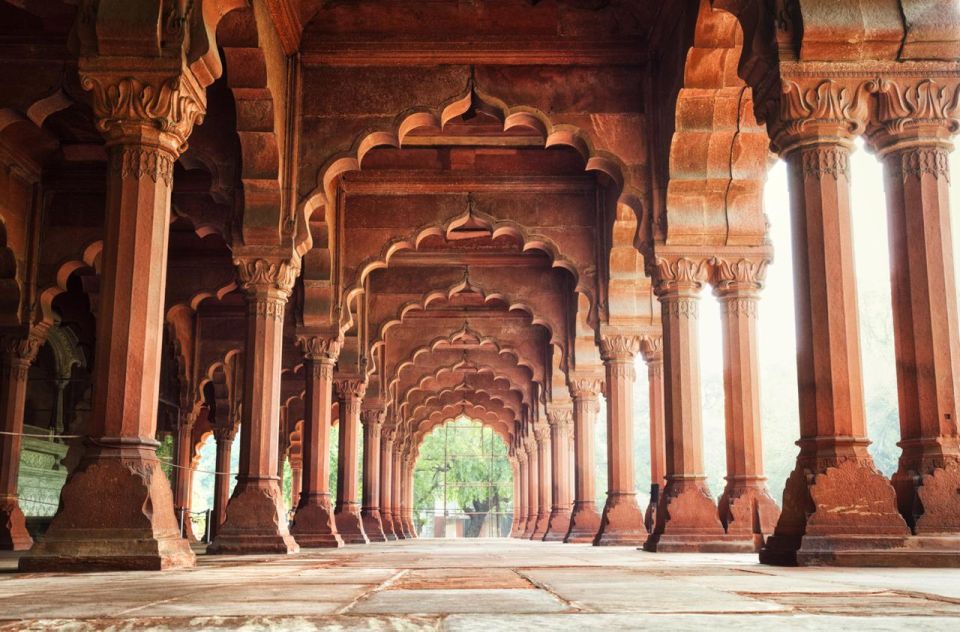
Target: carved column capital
(349,387)
(542,432)
(651,348)
(680,275)
(319,348)
(586,387)
(372,418)
(224,433)
(560,416)
(619,347)
(911,109)
(157,108)
(818,110)
(738,275)
(267,284)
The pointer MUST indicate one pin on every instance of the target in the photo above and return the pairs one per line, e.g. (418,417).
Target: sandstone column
(183,472)
(370,512)
(386,485)
(533,485)
(256,516)
(146,121)
(408,464)
(687,515)
(746,508)
(397,509)
(313,523)
(836,506)
(296,480)
(585,520)
(224,436)
(515,469)
(913,138)
(652,349)
(545,476)
(622,519)
(18,353)
(350,392)
(523,500)
(561,425)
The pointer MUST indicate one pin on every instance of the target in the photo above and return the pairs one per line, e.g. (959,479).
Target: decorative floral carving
(827,102)
(619,347)
(919,161)
(542,432)
(268,307)
(682,307)
(740,274)
(137,162)
(260,274)
(560,417)
(900,105)
(589,387)
(172,105)
(680,273)
(651,347)
(373,418)
(320,347)
(350,388)
(819,161)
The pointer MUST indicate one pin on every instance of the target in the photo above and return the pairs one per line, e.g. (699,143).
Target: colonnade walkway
(502,584)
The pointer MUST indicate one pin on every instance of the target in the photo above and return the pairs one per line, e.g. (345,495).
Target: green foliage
(166,455)
(462,467)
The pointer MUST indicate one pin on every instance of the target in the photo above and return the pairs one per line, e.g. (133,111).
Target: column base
(517,531)
(687,521)
(255,521)
(13,527)
(314,526)
(372,526)
(930,502)
(529,527)
(584,523)
(350,525)
(116,513)
(411,530)
(540,526)
(557,526)
(622,522)
(388,528)
(843,514)
(748,511)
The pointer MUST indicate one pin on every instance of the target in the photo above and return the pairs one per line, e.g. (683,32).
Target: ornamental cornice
(168,101)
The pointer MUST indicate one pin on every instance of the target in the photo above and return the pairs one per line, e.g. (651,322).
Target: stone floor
(483,585)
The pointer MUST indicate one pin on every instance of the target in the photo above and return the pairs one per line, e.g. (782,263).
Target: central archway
(463,482)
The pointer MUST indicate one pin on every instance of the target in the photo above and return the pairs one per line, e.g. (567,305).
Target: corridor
(471,584)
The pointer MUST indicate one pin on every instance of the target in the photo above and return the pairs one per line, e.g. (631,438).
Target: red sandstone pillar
(545,476)
(314,525)
(18,353)
(224,436)
(296,481)
(370,512)
(347,513)
(652,350)
(837,508)
(408,466)
(523,500)
(533,486)
(561,425)
(386,485)
(515,469)
(687,516)
(915,146)
(622,520)
(183,473)
(746,508)
(256,517)
(146,121)
(398,522)
(584,520)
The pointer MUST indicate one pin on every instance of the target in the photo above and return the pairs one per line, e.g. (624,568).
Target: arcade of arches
(290,215)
